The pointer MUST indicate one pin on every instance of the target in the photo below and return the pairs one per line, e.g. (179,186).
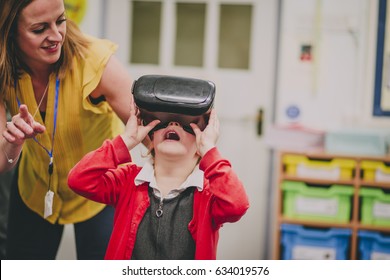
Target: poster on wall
(382,77)
(75,9)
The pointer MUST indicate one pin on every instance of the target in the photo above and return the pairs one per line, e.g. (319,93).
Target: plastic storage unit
(310,198)
(375,171)
(302,166)
(375,209)
(307,202)
(301,243)
(374,245)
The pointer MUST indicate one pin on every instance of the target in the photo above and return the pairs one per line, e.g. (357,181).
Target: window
(190,34)
(235,36)
(145,34)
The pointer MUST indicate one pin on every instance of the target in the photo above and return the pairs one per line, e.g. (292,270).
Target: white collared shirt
(195,179)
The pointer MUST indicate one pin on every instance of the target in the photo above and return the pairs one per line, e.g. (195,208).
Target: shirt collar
(195,179)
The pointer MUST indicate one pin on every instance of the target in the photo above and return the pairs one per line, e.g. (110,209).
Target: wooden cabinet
(325,171)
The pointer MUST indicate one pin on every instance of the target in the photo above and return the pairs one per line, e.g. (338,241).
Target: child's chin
(173,150)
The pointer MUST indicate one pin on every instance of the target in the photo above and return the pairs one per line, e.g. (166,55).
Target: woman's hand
(22,127)
(135,132)
(207,139)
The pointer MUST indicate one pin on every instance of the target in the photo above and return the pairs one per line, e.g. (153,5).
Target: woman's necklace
(43,96)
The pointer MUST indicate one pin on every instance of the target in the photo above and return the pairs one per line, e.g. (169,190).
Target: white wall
(335,89)
(92,22)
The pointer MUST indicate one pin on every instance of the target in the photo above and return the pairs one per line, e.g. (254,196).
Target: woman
(66,93)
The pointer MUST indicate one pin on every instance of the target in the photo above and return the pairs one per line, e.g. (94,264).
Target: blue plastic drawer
(374,245)
(301,243)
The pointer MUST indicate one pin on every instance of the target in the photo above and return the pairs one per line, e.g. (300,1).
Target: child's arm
(231,201)
(207,139)
(98,176)
(134,131)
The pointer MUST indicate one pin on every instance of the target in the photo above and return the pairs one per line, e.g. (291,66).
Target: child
(173,206)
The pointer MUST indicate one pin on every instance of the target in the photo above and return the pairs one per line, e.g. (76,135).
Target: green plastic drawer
(330,204)
(375,208)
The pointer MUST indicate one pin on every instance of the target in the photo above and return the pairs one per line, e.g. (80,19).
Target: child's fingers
(212,116)
(145,129)
(216,121)
(151,125)
(132,109)
(213,120)
(196,129)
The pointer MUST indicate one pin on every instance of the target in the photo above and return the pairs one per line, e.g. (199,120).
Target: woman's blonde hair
(11,66)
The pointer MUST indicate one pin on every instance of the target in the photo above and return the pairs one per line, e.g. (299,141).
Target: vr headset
(170,98)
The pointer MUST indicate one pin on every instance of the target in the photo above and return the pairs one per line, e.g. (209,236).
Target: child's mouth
(172,135)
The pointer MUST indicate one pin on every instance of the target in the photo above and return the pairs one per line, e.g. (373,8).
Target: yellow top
(81,127)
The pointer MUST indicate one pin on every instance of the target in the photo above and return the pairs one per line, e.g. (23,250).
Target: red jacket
(103,176)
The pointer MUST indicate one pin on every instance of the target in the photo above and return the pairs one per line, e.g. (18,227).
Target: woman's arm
(115,85)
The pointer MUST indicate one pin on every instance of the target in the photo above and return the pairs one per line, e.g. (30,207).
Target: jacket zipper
(159,211)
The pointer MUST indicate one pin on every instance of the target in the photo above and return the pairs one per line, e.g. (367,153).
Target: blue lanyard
(49,152)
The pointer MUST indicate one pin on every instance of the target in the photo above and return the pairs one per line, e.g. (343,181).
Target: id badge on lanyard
(48,201)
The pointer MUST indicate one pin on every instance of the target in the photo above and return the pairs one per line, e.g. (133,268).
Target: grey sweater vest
(163,232)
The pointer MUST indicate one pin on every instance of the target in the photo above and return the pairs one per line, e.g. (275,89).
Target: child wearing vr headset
(173,206)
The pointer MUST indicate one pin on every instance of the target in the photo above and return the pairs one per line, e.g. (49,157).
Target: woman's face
(41,30)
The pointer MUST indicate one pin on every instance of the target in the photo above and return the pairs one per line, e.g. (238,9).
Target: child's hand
(135,132)
(207,139)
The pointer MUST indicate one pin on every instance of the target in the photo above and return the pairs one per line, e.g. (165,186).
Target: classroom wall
(335,87)
(332,89)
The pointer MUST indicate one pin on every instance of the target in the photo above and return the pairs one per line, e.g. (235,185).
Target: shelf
(357,181)
(374,228)
(317,181)
(375,184)
(314,223)
(327,156)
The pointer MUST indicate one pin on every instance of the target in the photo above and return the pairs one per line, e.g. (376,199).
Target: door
(242,69)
